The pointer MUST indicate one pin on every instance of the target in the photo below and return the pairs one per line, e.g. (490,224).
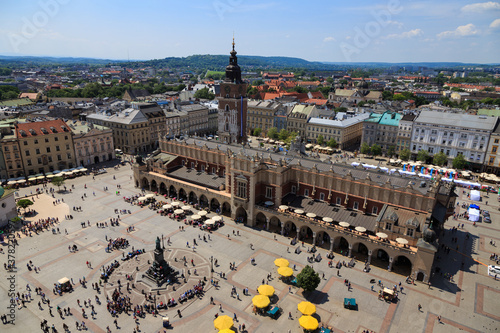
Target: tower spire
(233,40)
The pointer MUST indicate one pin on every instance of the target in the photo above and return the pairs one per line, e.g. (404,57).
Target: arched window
(227,107)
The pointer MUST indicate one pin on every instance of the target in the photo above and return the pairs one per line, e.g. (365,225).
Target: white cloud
(495,24)
(406,34)
(481,7)
(348,37)
(396,23)
(461,31)
(329,39)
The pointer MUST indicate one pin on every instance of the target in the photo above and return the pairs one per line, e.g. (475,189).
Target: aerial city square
(228,166)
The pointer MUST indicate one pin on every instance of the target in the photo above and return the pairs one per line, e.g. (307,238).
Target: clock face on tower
(227,89)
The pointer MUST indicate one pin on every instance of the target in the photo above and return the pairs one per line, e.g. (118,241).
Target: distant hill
(217,62)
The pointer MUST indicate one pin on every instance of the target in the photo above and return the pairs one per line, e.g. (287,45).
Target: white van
(493,270)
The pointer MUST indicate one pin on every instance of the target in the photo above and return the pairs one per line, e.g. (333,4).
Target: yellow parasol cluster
(281,262)
(309,323)
(306,308)
(223,323)
(261,301)
(285,271)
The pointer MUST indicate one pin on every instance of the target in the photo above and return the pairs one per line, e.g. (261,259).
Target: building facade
(232,113)
(93,144)
(130,128)
(346,132)
(8,209)
(404,132)
(239,182)
(492,160)
(298,118)
(45,146)
(453,134)
(382,129)
(261,114)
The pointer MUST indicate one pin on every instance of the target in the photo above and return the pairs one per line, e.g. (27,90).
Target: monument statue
(158,244)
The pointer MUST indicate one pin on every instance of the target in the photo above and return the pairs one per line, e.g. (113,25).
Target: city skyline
(384,31)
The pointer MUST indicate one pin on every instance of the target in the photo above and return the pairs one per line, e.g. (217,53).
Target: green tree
(24,203)
(340,109)
(321,140)
(387,95)
(423,156)
(204,93)
(58,181)
(376,150)
(272,133)
(365,148)
(332,143)
(283,134)
(391,151)
(257,131)
(440,159)
(405,154)
(459,162)
(308,279)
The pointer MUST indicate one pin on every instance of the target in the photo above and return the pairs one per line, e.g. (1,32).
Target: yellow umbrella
(281,262)
(223,322)
(306,308)
(227,330)
(260,301)
(309,323)
(285,271)
(266,290)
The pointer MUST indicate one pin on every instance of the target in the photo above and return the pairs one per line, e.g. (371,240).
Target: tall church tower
(232,117)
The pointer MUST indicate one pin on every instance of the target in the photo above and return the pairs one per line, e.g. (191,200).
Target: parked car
(486,213)
(487,219)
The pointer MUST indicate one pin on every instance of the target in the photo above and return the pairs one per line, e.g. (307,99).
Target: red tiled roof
(35,128)
(317,94)
(316,101)
(269,95)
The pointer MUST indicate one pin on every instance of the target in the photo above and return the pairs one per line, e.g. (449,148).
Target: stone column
(267,223)
(369,256)
(314,238)
(331,245)
(282,229)
(390,264)
(350,251)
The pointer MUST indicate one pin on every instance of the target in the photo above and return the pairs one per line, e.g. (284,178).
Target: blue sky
(334,30)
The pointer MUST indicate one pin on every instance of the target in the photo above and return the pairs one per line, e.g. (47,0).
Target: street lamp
(212,264)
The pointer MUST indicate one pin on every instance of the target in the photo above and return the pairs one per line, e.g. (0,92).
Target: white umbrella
(40,177)
(202,212)
(217,218)
(360,229)
(311,215)
(195,217)
(21,181)
(269,203)
(150,195)
(381,235)
(299,211)
(327,219)
(210,222)
(283,207)
(344,224)
(175,203)
(84,169)
(31,179)
(178,211)
(186,207)
(12,182)
(402,241)
(167,206)
(141,199)
(51,176)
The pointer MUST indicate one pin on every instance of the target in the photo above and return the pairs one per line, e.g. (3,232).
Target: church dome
(363,84)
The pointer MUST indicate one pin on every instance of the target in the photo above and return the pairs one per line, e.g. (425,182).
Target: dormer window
(32,131)
(22,132)
(44,130)
(53,129)
(64,128)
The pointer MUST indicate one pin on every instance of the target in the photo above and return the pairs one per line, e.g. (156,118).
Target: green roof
(16,102)
(374,118)
(489,112)
(390,119)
